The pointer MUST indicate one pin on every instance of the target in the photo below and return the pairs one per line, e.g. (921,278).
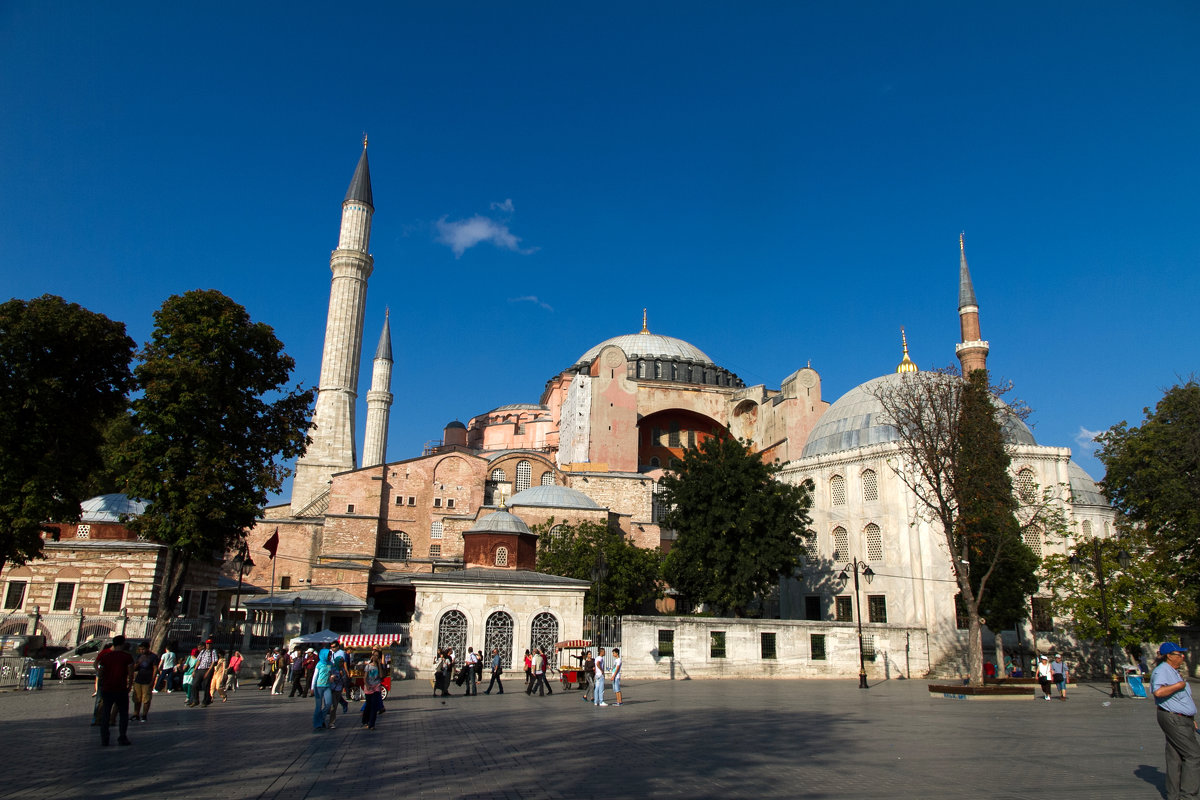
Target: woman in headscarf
(372,689)
(190,684)
(320,689)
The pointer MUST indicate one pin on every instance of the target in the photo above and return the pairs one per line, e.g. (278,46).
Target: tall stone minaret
(972,351)
(332,449)
(379,400)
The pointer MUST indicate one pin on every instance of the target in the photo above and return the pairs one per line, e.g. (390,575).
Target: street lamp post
(1076,564)
(599,573)
(859,566)
(243,561)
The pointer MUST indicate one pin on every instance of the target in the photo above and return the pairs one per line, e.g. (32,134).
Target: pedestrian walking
(470,666)
(283,662)
(219,671)
(145,674)
(1176,713)
(235,666)
(189,674)
(1058,668)
(114,671)
(322,695)
(540,664)
(166,670)
(297,669)
(586,683)
(372,689)
(1045,675)
(598,673)
(206,662)
(528,672)
(497,671)
(339,679)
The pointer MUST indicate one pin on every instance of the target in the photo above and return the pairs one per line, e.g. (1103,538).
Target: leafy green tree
(109,476)
(1142,601)
(1152,477)
(64,370)
(954,459)
(739,529)
(215,418)
(573,551)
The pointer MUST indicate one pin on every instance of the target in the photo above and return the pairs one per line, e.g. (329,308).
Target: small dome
(1084,491)
(552,497)
(456,425)
(650,345)
(500,522)
(110,508)
(855,421)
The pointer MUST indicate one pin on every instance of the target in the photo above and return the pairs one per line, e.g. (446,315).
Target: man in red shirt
(115,670)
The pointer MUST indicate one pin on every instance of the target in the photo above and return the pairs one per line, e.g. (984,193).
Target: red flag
(272,545)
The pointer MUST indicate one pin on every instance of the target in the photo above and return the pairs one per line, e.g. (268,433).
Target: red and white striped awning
(572,644)
(369,639)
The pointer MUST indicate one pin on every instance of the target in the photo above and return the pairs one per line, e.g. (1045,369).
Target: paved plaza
(692,739)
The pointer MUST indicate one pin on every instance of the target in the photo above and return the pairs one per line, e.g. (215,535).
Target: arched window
(841,544)
(498,475)
(498,635)
(1087,528)
(1033,539)
(436,530)
(452,632)
(393,546)
(501,556)
(837,490)
(544,633)
(870,486)
(1026,486)
(524,475)
(874,542)
(547,479)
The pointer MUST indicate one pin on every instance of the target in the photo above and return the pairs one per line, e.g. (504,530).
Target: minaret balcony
(978,344)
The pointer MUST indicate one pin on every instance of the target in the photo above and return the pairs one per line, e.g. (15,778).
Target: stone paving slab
(693,739)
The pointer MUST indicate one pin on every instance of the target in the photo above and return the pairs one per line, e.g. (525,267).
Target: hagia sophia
(389,538)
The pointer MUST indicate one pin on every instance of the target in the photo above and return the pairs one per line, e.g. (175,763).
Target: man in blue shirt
(1177,718)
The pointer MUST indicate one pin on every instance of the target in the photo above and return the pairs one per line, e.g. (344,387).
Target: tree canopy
(573,551)
(738,528)
(64,372)
(216,418)
(1152,477)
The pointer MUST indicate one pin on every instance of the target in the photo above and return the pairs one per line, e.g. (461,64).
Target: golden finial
(364,140)
(644,328)
(906,365)
(962,248)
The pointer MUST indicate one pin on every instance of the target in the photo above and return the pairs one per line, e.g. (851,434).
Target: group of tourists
(467,672)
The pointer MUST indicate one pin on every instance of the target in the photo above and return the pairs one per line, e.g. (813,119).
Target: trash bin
(36,676)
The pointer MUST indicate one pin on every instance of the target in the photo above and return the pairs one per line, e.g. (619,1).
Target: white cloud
(463,234)
(531,298)
(1087,439)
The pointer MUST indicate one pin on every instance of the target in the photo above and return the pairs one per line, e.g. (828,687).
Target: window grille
(547,479)
(1026,487)
(768,646)
(876,608)
(498,475)
(841,544)
(394,546)
(436,529)
(1033,539)
(498,634)
(870,486)
(673,435)
(501,556)
(1087,529)
(716,644)
(15,595)
(874,542)
(666,643)
(837,490)
(816,642)
(83,532)
(845,609)
(524,475)
(543,632)
(452,632)
(114,598)
(435,551)
(64,596)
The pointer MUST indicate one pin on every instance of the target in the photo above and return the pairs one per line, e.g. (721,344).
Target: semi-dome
(649,345)
(1084,491)
(552,497)
(110,508)
(856,420)
(500,522)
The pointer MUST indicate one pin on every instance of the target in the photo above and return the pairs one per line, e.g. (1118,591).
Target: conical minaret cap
(384,350)
(360,184)
(966,292)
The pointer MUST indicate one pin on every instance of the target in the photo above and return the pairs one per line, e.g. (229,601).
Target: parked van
(81,660)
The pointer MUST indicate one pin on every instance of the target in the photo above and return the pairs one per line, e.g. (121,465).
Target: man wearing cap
(1045,675)
(205,663)
(1177,718)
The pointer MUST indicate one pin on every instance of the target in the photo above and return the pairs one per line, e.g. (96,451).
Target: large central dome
(650,345)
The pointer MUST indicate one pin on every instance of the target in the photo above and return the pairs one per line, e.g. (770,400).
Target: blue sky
(776,182)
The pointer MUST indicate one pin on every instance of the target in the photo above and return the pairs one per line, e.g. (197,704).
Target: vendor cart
(572,674)
(358,650)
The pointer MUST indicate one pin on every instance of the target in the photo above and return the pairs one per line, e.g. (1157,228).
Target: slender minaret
(379,400)
(972,351)
(332,449)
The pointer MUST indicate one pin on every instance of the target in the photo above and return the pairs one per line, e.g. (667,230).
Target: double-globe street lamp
(1076,563)
(856,567)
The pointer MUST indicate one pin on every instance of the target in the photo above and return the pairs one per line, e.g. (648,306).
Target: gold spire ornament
(644,328)
(907,364)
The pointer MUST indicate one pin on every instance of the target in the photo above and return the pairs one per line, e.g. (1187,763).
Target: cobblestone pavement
(694,739)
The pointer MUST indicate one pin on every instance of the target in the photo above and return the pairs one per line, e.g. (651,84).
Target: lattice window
(547,479)
(845,608)
(673,435)
(435,551)
(876,608)
(812,550)
(452,632)
(874,542)
(1087,528)
(837,490)
(436,530)
(870,483)
(501,556)
(841,544)
(816,643)
(394,546)
(83,532)
(1033,540)
(1026,485)
(498,475)
(524,475)
(658,503)
(498,634)
(543,632)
